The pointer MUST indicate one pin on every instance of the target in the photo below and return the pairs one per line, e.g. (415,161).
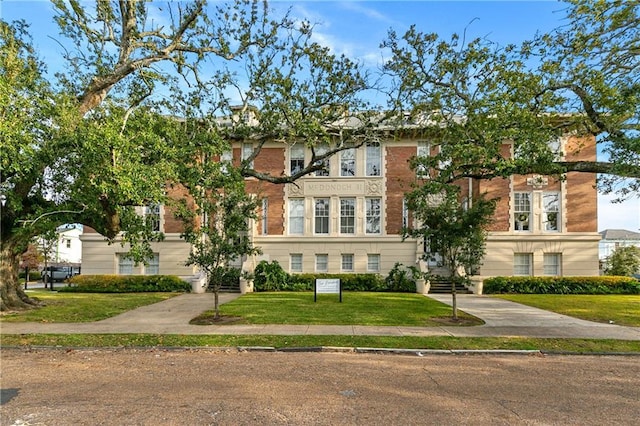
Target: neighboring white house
(68,248)
(614,238)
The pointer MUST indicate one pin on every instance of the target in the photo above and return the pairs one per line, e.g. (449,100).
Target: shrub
(269,276)
(125,284)
(562,285)
(400,279)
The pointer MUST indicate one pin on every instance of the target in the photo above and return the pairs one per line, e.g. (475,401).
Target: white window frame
(522,217)
(552,264)
(153,212)
(373,162)
(125,264)
(226,160)
(296,216)
(348,216)
(296,158)
(321,216)
(153,265)
(523,264)
(423,149)
(551,211)
(373,215)
(247,151)
(348,162)
(321,150)
(322,262)
(373,262)
(346,264)
(405,213)
(295,262)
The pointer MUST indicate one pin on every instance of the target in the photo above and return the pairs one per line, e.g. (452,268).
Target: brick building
(348,219)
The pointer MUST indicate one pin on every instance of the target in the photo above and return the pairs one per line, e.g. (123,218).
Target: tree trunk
(454,302)
(216,304)
(13,295)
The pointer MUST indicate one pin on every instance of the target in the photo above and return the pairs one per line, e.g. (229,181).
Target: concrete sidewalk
(502,319)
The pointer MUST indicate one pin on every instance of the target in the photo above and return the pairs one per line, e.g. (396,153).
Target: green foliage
(269,276)
(125,284)
(401,279)
(562,285)
(624,261)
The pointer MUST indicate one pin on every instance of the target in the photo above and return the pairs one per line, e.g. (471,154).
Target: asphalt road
(215,387)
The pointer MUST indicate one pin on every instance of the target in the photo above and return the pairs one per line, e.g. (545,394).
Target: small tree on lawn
(217,223)
(30,260)
(454,229)
(624,261)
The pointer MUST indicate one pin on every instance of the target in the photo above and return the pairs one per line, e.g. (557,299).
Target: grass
(621,309)
(227,341)
(357,308)
(82,307)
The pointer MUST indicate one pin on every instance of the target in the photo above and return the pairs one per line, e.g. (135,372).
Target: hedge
(562,285)
(269,276)
(125,284)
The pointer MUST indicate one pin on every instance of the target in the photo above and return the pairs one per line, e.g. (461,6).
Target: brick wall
(399,178)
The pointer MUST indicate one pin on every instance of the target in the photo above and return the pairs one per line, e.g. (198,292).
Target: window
(373,158)
(296,158)
(321,215)
(296,262)
(348,162)
(373,263)
(347,262)
(153,266)
(405,214)
(522,211)
(321,150)
(522,264)
(226,159)
(553,264)
(296,216)
(265,211)
(247,151)
(68,243)
(152,216)
(322,262)
(125,264)
(424,150)
(373,216)
(555,146)
(551,211)
(347,215)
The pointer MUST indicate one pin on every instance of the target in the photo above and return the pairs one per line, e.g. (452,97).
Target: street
(201,387)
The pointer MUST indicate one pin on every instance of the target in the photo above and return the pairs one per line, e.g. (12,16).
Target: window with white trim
(552,264)
(347,215)
(373,159)
(348,162)
(247,151)
(296,158)
(152,216)
(296,262)
(153,265)
(405,214)
(321,216)
(322,262)
(551,211)
(423,150)
(347,263)
(373,216)
(226,160)
(522,263)
(522,211)
(321,150)
(373,263)
(265,217)
(125,264)
(296,216)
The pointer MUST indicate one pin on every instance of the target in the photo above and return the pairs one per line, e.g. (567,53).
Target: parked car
(56,273)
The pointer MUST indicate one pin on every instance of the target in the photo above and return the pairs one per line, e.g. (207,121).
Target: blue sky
(357,28)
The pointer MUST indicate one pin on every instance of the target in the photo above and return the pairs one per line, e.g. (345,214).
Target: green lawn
(621,309)
(83,307)
(357,308)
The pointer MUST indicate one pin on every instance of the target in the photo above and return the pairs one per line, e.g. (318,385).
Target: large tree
(476,95)
(143,84)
